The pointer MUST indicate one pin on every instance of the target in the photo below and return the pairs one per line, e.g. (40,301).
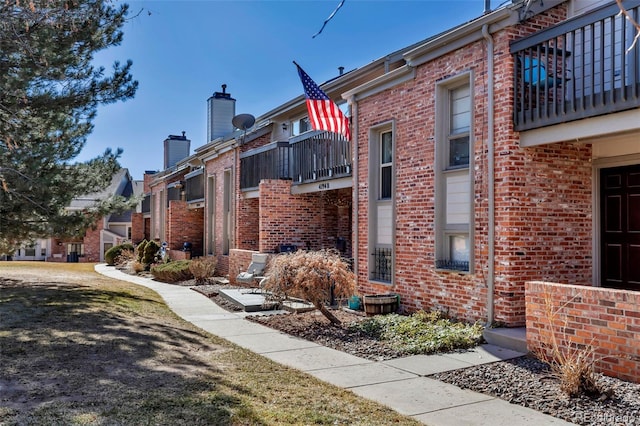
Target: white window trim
(444,231)
(295,125)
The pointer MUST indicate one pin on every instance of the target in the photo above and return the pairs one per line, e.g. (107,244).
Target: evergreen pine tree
(49,93)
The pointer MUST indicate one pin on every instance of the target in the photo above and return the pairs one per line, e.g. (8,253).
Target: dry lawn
(80,348)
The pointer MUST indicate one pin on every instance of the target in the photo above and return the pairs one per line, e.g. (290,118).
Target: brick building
(505,152)
(172,210)
(490,165)
(108,231)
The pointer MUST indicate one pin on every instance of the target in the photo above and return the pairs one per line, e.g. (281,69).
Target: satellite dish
(243,121)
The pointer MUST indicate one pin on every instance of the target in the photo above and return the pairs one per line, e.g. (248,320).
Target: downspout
(354,180)
(490,176)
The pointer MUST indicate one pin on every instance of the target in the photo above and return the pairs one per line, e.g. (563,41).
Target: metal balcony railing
(320,155)
(194,186)
(270,161)
(583,67)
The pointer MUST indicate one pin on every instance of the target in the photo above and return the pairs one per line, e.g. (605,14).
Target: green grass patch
(421,333)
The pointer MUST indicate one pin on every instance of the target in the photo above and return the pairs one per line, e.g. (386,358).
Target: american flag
(324,114)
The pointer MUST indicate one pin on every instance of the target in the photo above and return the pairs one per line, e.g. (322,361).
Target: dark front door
(620,213)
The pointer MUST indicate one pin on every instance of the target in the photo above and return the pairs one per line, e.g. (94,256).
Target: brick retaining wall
(606,319)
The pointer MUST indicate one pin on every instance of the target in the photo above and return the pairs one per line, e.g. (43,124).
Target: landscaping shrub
(149,255)
(421,333)
(172,272)
(140,250)
(125,257)
(111,254)
(137,267)
(202,268)
(573,365)
(309,275)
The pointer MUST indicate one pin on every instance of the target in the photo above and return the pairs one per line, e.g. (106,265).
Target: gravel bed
(524,381)
(529,382)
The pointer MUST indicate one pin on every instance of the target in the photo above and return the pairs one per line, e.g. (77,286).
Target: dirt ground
(118,360)
(525,380)
(79,348)
(132,355)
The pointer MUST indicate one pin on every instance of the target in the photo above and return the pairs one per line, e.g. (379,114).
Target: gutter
(354,196)
(491,176)
(462,35)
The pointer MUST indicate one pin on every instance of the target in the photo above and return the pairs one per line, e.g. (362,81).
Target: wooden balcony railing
(584,67)
(146,204)
(270,161)
(173,192)
(320,155)
(194,186)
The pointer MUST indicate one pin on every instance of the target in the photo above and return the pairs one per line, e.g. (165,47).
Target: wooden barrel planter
(377,304)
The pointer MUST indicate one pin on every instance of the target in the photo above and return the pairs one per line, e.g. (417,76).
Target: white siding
(384,228)
(458,198)
(119,229)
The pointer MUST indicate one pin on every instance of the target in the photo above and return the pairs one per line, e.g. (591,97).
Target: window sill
(380,282)
(453,271)
(452,266)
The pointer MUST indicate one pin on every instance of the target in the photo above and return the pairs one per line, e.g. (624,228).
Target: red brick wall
(185,224)
(248,229)
(606,320)
(543,222)
(542,191)
(239,261)
(137,227)
(155,211)
(411,106)
(247,222)
(58,249)
(311,221)
(216,168)
(178,255)
(91,242)
(147,178)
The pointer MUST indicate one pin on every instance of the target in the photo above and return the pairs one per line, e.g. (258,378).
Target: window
(76,248)
(381,199)
(301,125)
(454,183)
(386,165)
(459,125)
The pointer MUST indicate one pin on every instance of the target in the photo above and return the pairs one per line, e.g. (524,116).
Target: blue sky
(183,51)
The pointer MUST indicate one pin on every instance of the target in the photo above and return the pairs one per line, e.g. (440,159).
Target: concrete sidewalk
(399,383)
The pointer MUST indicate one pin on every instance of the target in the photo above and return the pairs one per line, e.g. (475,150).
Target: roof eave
(461,36)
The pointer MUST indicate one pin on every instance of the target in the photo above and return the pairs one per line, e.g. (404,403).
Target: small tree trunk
(327,313)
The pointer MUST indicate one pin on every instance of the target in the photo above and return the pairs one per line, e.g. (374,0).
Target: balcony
(311,157)
(194,186)
(173,192)
(270,161)
(320,155)
(581,68)
(146,204)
